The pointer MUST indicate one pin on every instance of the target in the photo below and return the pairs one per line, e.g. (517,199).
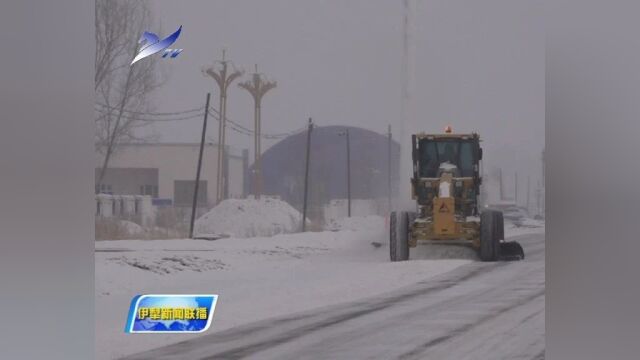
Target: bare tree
(121,89)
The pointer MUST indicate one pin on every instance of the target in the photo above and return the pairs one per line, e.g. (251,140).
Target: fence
(136,208)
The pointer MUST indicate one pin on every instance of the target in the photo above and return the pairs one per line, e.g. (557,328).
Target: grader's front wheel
(399,236)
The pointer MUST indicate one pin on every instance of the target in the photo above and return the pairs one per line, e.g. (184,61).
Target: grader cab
(446,186)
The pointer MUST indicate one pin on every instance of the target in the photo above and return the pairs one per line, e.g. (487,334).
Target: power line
(235,126)
(152,113)
(231,121)
(197,115)
(266,136)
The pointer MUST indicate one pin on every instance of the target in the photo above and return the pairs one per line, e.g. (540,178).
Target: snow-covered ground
(355,223)
(523,227)
(256,278)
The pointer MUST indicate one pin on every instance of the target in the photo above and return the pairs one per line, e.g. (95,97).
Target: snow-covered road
(256,278)
(477,311)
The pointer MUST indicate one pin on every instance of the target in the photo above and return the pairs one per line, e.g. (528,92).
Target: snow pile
(337,209)
(356,223)
(131,228)
(243,218)
(116,229)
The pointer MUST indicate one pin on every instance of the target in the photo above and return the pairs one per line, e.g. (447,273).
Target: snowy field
(256,278)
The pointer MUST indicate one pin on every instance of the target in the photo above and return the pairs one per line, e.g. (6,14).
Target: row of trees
(118,85)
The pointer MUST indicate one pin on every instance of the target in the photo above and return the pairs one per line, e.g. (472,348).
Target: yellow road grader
(446,186)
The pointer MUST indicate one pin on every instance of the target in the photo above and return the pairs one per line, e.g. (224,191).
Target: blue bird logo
(152,44)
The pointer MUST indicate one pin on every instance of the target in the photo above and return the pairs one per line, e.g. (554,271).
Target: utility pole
(528,191)
(515,196)
(257,87)
(407,115)
(306,177)
(389,170)
(542,187)
(195,190)
(223,79)
(543,167)
(500,181)
(538,203)
(346,134)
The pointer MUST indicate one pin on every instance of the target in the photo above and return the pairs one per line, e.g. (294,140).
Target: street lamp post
(389,170)
(306,176)
(257,87)
(223,79)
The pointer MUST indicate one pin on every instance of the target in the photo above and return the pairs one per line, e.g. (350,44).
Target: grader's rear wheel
(490,235)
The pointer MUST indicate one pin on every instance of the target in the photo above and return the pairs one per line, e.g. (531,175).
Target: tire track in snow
(351,312)
(416,353)
(286,334)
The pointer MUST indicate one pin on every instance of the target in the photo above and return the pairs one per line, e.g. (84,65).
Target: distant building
(167,171)
(283,167)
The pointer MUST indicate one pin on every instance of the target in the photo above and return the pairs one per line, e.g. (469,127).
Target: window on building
(104,189)
(183,192)
(151,190)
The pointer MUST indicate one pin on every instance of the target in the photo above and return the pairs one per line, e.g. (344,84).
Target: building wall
(128,180)
(173,162)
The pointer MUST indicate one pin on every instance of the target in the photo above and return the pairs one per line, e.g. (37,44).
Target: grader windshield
(455,151)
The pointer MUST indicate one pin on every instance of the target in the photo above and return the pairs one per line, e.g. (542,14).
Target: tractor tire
(489,235)
(500,225)
(399,236)
(411,217)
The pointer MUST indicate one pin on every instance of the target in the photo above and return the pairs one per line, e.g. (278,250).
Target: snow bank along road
(477,311)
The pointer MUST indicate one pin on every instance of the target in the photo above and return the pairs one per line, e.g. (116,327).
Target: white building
(167,172)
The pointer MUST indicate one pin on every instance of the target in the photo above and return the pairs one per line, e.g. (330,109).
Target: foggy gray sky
(479,66)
